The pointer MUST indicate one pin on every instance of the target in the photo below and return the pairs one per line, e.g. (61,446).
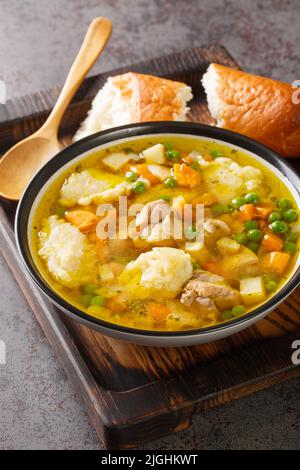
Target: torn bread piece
(255,106)
(131,98)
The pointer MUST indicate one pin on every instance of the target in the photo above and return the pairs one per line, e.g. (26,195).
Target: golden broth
(273,188)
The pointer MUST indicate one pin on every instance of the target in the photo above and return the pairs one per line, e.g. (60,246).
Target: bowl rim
(128,132)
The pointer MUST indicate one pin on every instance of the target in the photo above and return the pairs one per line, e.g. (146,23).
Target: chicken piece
(209,291)
(152,213)
(216,226)
(207,276)
(214,229)
(156,222)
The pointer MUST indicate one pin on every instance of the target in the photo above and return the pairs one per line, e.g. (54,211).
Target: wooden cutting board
(134,394)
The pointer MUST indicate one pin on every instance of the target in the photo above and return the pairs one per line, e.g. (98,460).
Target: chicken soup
(240,252)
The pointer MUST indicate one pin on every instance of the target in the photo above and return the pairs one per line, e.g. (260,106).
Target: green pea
(170,182)
(196,167)
(241,238)
(60,211)
(165,197)
(290,247)
(250,224)
(98,300)
(252,198)
(271,277)
(217,209)
(238,310)
(274,216)
(138,187)
(227,208)
(226,315)
(255,235)
(90,289)
(215,154)
(190,232)
(271,286)
(131,176)
(253,246)
(283,204)
(290,215)
(279,226)
(85,300)
(168,146)
(237,202)
(291,236)
(173,155)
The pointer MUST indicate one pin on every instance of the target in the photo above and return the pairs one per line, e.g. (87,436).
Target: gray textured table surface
(38,40)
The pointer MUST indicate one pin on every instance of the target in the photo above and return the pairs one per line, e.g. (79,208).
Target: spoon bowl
(20,164)
(22,161)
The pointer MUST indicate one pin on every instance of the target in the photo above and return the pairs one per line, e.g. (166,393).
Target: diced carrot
(158,312)
(212,267)
(207,199)
(247,212)
(84,220)
(99,245)
(271,243)
(263,225)
(276,261)
(208,157)
(116,304)
(127,167)
(262,212)
(143,170)
(186,176)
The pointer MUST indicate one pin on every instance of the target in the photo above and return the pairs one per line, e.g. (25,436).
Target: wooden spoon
(22,161)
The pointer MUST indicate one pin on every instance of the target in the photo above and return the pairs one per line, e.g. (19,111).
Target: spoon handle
(94,42)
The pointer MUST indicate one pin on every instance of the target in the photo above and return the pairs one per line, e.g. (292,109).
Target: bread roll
(132,98)
(257,107)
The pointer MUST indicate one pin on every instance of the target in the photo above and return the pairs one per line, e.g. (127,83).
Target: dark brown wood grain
(134,394)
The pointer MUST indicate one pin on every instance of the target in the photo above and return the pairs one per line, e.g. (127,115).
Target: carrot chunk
(247,212)
(263,212)
(100,245)
(186,176)
(143,170)
(276,261)
(158,312)
(84,220)
(212,267)
(116,305)
(271,243)
(207,199)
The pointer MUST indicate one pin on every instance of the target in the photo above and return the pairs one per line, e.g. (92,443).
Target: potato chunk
(116,160)
(252,290)
(155,154)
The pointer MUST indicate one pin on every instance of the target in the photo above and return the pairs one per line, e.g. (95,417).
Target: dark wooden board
(135,394)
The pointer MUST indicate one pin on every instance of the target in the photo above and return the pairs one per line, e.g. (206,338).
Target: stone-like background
(38,41)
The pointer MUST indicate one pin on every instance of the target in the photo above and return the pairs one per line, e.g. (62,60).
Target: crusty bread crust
(258,107)
(151,98)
